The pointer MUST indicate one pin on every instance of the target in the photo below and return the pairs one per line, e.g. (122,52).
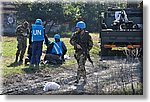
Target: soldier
(22,32)
(29,52)
(55,51)
(37,36)
(82,42)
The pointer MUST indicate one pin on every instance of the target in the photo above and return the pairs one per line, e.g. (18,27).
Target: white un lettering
(37,32)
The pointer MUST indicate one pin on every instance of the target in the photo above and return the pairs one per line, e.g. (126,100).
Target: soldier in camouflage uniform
(82,42)
(22,32)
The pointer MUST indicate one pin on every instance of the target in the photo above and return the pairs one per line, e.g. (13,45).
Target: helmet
(38,21)
(81,25)
(57,36)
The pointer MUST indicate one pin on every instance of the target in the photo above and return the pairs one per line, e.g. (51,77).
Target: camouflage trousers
(21,48)
(81,60)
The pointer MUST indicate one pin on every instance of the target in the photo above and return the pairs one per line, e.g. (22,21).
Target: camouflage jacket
(85,41)
(22,32)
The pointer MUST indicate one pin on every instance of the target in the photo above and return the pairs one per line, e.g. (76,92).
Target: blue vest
(37,32)
(57,48)
(60,45)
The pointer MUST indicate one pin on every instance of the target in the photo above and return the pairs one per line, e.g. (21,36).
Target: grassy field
(9,47)
(111,77)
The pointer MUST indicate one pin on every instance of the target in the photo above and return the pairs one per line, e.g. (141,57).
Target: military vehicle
(116,35)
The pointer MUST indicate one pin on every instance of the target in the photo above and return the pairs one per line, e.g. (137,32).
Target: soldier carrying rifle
(82,42)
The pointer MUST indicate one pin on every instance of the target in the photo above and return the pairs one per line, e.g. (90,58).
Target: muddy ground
(107,77)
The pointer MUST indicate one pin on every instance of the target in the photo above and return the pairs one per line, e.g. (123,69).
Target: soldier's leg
(22,54)
(19,47)
(46,57)
(17,55)
(62,57)
(52,58)
(58,59)
(82,62)
(29,54)
(38,53)
(78,74)
(77,57)
(23,50)
(33,57)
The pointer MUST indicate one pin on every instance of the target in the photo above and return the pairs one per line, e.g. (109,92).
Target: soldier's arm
(64,48)
(17,30)
(30,36)
(28,32)
(73,39)
(90,43)
(46,39)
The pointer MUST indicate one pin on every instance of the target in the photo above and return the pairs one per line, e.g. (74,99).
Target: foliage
(71,12)
(45,11)
(62,12)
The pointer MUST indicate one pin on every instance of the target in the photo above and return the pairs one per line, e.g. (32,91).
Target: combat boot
(27,60)
(46,62)
(77,81)
(20,62)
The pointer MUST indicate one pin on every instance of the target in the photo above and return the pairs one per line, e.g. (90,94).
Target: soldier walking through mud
(82,42)
(22,32)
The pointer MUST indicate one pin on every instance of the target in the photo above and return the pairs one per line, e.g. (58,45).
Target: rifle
(84,50)
(89,58)
(87,54)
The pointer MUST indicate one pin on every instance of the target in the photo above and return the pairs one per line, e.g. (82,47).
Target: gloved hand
(78,46)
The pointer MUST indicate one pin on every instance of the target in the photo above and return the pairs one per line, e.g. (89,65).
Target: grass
(9,47)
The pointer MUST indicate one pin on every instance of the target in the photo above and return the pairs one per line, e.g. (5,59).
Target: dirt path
(117,76)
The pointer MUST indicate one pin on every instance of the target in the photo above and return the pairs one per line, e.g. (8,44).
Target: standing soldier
(22,32)
(37,37)
(82,42)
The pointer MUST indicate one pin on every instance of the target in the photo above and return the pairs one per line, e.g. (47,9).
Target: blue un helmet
(38,21)
(57,36)
(81,25)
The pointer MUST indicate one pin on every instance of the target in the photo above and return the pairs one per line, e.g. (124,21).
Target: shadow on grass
(51,66)
(31,70)
(14,64)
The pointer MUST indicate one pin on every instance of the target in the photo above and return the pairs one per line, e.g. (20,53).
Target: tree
(47,11)
(62,12)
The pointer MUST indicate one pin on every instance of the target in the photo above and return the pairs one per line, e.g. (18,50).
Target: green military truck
(118,35)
